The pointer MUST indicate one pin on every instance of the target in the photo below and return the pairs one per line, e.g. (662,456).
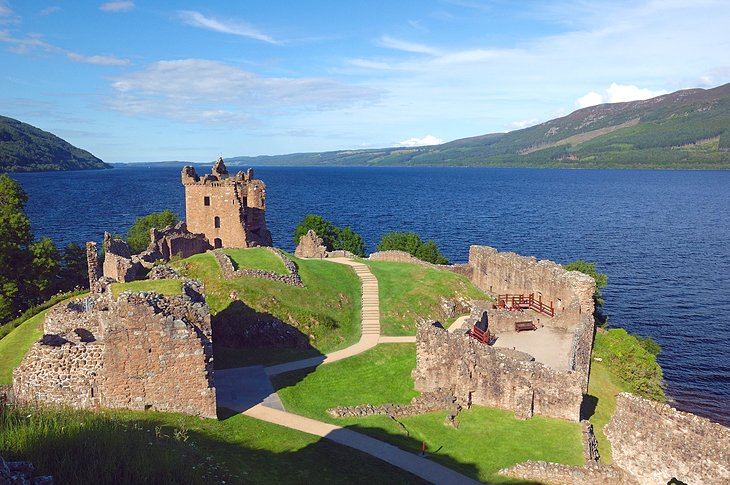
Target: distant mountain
(685,129)
(25,148)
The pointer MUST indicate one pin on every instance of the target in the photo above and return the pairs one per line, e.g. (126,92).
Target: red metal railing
(523,302)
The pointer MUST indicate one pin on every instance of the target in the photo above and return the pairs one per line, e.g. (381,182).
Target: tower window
(217,222)
(206,200)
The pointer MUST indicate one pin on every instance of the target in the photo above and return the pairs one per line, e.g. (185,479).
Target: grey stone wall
(503,378)
(654,442)
(229,271)
(543,472)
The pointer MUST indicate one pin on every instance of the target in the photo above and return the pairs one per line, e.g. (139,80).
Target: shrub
(601,280)
(412,243)
(138,236)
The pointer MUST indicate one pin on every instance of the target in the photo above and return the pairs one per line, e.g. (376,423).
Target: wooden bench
(522,326)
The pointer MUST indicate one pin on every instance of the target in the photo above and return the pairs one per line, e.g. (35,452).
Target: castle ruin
(229,211)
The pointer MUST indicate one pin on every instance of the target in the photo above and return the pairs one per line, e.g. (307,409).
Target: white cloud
(518,125)
(241,29)
(30,43)
(402,45)
(215,92)
(5,11)
(421,142)
(590,99)
(50,10)
(120,6)
(618,93)
(98,60)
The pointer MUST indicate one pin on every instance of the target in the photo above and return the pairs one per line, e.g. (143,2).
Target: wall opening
(217,243)
(217,222)
(206,200)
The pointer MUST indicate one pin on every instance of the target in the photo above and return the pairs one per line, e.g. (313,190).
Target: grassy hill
(25,148)
(684,129)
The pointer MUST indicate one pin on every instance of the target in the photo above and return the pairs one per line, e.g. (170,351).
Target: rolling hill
(25,148)
(687,129)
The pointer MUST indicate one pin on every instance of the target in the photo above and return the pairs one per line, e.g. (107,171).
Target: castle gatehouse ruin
(542,373)
(229,211)
(141,351)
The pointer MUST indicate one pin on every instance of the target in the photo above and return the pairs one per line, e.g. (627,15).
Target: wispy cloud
(50,10)
(519,125)
(421,142)
(5,9)
(618,93)
(215,92)
(120,6)
(33,42)
(232,27)
(402,45)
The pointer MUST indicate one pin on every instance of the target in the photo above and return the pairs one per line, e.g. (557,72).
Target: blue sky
(189,80)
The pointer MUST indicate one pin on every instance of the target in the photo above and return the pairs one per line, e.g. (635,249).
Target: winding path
(258,399)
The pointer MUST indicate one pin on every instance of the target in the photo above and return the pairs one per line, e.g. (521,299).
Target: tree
(412,243)
(74,270)
(601,280)
(15,236)
(138,236)
(332,236)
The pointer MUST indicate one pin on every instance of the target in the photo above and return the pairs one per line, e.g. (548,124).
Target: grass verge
(125,447)
(256,258)
(16,344)
(409,291)
(487,439)
(602,391)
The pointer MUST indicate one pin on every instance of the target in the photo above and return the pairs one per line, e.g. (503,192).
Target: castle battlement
(229,210)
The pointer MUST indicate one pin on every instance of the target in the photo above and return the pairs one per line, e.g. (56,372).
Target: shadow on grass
(243,336)
(139,447)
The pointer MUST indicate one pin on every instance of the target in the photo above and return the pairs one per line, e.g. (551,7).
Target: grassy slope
(408,291)
(602,389)
(487,439)
(256,258)
(16,344)
(125,447)
(164,287)
(327,309)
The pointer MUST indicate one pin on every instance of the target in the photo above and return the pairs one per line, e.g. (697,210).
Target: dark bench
(522,326)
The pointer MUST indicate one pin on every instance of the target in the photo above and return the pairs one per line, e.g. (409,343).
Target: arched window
(217,222)
(217,243)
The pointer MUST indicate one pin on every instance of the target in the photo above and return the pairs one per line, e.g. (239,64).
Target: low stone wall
(425,403)
(503,378)
(142,351)
(543,472)
(654,442)
(230,272)
(21,473)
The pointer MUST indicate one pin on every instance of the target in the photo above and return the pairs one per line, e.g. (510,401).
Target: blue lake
(662,237)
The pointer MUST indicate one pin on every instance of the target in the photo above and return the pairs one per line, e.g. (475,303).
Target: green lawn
(16,344)
(408,291)
(164,287)
(487,439)
(256,258)
(125,447)
(327,309)
(602,391)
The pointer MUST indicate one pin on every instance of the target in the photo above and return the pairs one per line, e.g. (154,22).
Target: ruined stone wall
(311,246)
(143,351)
(158,355)
(118,264)
(172,241)
(654,442)
(229,271)
(544,472)
(570,291)
(230,211)
(490,376)
(404,257)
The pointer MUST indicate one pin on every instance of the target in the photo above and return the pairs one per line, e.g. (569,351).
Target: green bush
(412,243)
(601,281)
(138,236)
(628,358)
(333,237)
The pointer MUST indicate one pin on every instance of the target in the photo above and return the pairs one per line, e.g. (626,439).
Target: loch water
(662,237)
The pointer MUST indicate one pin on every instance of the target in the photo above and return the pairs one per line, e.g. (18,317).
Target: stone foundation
(503,378)
(172,241)
(425,403)
(230,272)
(142,351)
(654,442)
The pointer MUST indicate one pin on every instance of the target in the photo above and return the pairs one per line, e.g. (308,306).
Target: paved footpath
(417,465)
(272,411)
(370,334)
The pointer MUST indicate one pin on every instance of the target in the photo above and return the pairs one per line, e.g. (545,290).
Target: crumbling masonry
(141,351)
(229,211)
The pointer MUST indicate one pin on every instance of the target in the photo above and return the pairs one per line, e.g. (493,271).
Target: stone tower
(230,211)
